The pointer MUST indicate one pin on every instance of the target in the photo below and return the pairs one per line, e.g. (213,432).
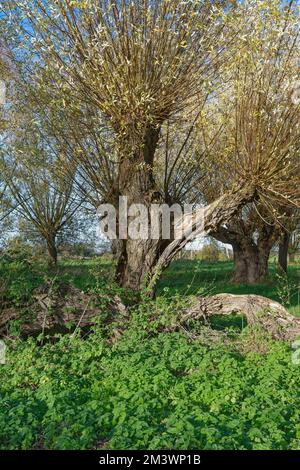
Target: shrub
(18,276)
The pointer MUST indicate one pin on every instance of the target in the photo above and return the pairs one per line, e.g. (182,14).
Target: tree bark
(205,221)
(283,252)
(136,258)
(136,261)
(52,250)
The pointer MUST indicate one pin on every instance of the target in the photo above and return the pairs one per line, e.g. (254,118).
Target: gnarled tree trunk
(251,254)
(140,262)
(205,222)
(136,258)
(52,250)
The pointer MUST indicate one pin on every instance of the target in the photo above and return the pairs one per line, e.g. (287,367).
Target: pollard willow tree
(140,63)
(144,65)
(31,163)
(46,201)
(31,168)
(256,112)
(257,115)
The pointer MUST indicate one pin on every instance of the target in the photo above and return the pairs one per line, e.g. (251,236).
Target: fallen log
(258,310)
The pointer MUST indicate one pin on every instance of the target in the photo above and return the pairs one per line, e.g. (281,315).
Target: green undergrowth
(149,381)
(156,385)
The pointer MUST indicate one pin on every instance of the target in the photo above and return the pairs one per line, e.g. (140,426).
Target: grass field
(189,277)
(151,388)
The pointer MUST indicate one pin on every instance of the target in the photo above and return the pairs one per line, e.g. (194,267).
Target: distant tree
(210,252)
(42,196)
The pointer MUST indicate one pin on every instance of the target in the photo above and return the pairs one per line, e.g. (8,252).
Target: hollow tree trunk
(250,262)
(52,250)
(283,252)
